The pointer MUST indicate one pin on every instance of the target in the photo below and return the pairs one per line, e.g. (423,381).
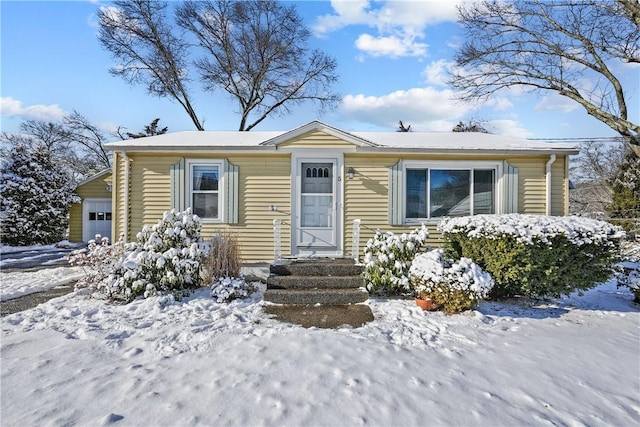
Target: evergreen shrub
(35,196)
(387,258)
(535,256)
(454,286)
(166,258)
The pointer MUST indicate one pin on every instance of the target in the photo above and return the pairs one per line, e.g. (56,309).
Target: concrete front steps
(310,281)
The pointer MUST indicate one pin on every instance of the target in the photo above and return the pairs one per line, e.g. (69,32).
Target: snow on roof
(365,141)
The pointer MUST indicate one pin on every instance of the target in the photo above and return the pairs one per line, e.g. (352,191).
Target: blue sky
(391,56)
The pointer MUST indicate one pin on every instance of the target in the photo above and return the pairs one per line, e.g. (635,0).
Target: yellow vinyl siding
(532,184)
(150,190)
(366,196)
(117,226)
(264,180)
(75,222)
(94,189)
(316,139)
(559,187)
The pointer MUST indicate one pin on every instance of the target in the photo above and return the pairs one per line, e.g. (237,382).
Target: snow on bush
(98,259)
(165,259)
(454,286)
(226,289)
(629,275)
(531,229)
(35,195)
(387,258)
(533,255)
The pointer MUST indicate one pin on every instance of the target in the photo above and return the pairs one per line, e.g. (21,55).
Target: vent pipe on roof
(552,159)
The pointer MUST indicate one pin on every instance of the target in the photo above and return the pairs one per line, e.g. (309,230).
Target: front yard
(81,361)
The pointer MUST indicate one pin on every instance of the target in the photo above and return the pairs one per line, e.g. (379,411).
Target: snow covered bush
(165,259)
(387,258)
(535,255)
(629,275)
(98,259)
(454,286)
(35,195)
(226,289)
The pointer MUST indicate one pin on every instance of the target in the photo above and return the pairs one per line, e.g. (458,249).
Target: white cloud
(508,127)
(399,24)
(437,73)
(386,14)
(10,107)
(556,102)
(426,109)
(499,103)
(391,46)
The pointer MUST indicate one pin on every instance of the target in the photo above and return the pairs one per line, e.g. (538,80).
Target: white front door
(317,220)
(96,218)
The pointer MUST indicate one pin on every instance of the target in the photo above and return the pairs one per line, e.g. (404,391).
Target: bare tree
(75,144)
(256,50)
(88,137)
(569,47)
(592,172)
(138,34)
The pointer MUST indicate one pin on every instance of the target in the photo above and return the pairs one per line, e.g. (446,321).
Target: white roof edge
(486,151)
(193,148)
(388,142)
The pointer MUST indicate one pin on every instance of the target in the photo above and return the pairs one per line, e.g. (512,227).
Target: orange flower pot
(425,304)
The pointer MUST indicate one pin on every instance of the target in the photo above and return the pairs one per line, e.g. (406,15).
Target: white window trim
(448,165)
(190,163)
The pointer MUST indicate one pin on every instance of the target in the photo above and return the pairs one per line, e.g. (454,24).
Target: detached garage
(93,215)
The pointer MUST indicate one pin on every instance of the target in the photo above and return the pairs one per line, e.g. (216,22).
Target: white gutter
(552,159)
(127,168)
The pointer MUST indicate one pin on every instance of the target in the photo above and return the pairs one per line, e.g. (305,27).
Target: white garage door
(96,218)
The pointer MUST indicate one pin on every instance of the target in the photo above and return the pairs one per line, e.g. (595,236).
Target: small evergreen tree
(36,194)
(625,187)
(152,129)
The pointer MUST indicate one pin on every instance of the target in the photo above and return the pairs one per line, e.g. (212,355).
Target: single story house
(321,191)
(93,214)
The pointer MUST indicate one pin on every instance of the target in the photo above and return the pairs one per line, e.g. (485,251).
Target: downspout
(552,159)
(127,168)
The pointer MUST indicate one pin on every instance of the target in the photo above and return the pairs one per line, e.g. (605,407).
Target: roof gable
(314,127)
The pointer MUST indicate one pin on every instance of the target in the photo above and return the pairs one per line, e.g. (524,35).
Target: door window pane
(317,178)
(317,211)
(449,191)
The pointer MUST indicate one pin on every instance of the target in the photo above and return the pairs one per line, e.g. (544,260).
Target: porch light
(109,187)
(350,172)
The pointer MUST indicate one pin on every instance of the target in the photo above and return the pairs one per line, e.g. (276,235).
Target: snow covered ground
(15,284)
(81,361)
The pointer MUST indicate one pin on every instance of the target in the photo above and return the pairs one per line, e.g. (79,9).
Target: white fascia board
(195,149)
(465,151)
